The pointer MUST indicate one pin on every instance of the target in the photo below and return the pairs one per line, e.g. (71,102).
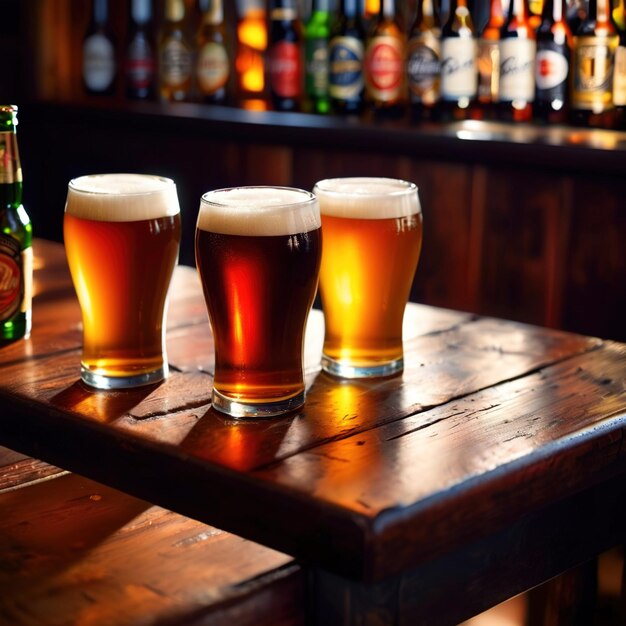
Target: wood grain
(490,421)
(77,552)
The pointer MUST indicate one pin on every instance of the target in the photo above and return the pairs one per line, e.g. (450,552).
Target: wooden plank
(18,470)
(446,591)
(75,551)
(546,431)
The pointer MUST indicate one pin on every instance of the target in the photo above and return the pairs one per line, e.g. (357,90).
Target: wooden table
(496,460)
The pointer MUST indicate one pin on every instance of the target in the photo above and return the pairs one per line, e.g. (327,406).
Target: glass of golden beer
(122,234)
(258,252)
(372,241)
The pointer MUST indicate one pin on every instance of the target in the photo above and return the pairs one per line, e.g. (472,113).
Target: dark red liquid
(258,291)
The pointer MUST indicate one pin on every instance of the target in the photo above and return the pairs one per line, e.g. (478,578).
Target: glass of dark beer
(122,234)
(372,242)
(258,252)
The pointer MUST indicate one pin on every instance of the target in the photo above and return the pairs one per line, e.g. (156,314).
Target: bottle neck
(350,8)
(320,6)
(387,9)
(213,14)
(174,10)
(426,8)
(518,9)
(496,14)
(283,10)
(141,11)
(10,167)
(100,11)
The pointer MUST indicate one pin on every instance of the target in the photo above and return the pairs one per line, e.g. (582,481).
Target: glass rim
(74,185)
(405,187)
(308,197)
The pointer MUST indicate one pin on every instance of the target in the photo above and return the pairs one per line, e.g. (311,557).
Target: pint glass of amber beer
(372,241)
(122,235)
(258,252)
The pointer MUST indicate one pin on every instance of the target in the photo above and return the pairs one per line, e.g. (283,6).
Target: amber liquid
(365,280)
(121,272)
(259,291)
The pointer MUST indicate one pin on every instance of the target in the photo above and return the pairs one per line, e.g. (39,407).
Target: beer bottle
(250,55)
(423,61)
(516,89)
(594,51)
(284,56)
(459,73)
(489,60)
(212,63)
(99,67)
(384,63)
(16,252)
(552,64)
(316,38)
(619,82)
(175,63)
(140,53)
(345,58)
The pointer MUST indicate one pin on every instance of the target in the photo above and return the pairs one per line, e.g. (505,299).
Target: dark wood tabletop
(498,455)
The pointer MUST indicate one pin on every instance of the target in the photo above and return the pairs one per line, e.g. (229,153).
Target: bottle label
(213,68)
(459,75)
(619,77)
(488,70)
(11,278)
(98,62)
(10,168)
(317,67)
(517,70)
(285,69)
(175,63)
(551,71)
(593,73)
(140,64)
(384,68)
(346,68)
(424,68)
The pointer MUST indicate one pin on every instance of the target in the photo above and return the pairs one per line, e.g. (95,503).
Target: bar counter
(494,462)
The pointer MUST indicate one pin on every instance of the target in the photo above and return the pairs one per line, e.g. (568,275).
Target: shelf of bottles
(553,61)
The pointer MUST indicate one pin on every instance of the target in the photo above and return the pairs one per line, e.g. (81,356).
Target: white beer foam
(259,211)
(367,198)
(122,197)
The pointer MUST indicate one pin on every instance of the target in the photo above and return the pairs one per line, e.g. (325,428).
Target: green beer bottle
(16,252)
(316,36)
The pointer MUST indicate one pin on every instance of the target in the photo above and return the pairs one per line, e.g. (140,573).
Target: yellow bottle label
(593,73)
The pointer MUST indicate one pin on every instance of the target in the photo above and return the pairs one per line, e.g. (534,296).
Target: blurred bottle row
(553,61)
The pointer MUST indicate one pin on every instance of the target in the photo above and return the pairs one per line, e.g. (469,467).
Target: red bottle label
(285,69)
(10,278)
(384,67)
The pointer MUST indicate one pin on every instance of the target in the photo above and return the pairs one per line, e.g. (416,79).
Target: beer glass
(258,252)
(372,241)
(122,234)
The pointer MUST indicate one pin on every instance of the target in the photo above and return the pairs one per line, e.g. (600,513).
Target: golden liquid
(121,272)
(365,280)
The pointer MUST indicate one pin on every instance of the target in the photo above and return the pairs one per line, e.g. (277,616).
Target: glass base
(344,370)
(233,408)
(101,381)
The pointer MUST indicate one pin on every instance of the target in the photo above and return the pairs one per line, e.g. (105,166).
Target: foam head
(367,198)
(259,211)
(121,197)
